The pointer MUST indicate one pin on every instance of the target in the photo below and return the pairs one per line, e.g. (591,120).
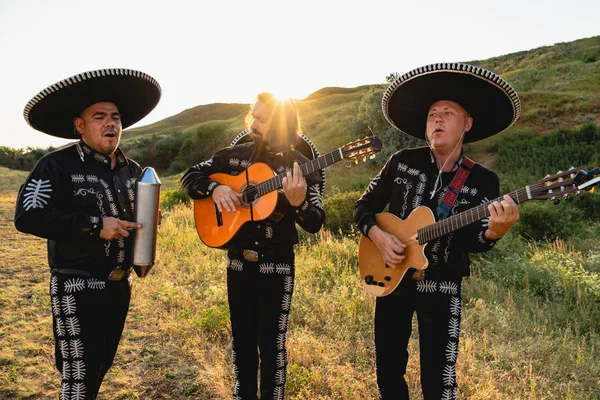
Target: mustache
(110,130)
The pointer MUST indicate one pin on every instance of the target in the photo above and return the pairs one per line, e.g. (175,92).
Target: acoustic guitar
(420,228)
(258,185)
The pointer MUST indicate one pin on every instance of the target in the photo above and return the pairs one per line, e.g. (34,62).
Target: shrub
(540,221)
(171,198)
(339,210)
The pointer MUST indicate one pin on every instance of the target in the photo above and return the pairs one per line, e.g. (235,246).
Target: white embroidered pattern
(74,285)
(269,232)
(449,375)
(283,269)
(53,284)
(64,349)
(314,193)
(449,287)
(288,284)
(245,163)
(455,306)
(286,302)
(454,328)
(283,322)
(402,167)
(68,303)
(426,286)
(96,284)
(55,306)
(373,184)
(76,348)
(73,326)
(266,268)
(235,265)
(92,178)
(36,194)
(449,394)
(451,352)
(78,369)
(77,178)
(60,327)
(281,340)
(234,162)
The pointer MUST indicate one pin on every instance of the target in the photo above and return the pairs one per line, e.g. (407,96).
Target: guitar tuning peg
(572,168)
(356,161)
(365,159)
(372,156)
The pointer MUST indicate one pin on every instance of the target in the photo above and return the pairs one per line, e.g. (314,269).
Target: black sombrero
(53,109)
(304,146)
(489,99)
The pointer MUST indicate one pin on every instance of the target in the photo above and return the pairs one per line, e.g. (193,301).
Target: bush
(541,221)
(171,198)
(339,210)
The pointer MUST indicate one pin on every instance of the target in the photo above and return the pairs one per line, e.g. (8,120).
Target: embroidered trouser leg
(260,296)
(438,308)
(88,320)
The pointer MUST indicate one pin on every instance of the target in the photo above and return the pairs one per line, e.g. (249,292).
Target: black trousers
(260,297)
(437,304)
(88,319)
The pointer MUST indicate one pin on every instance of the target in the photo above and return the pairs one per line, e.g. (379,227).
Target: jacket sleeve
(43,204)
(376,196)
(472,237)
(310,215)
(196,181)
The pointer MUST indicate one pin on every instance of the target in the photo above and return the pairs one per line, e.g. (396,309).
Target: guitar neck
(307,168)
(455,222)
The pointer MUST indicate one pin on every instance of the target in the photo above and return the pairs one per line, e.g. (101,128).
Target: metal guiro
(147,198)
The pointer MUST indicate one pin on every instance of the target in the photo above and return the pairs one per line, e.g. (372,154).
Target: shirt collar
(456,164)
(86,151)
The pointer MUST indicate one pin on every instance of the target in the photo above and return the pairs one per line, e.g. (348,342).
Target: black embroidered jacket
(265,234)
(407,181)
(63,191)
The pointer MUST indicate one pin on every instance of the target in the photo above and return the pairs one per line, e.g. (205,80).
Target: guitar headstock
(564,185)
(361,149)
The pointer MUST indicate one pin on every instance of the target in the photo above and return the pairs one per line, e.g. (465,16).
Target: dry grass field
(515,343)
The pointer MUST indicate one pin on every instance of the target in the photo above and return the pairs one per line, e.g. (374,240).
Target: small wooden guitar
(258,185)
(420,228)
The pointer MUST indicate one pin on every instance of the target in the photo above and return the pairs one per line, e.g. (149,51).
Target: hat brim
(490,100)
(53,109)
(304,146)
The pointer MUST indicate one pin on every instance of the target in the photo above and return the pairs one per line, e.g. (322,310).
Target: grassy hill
(531,310)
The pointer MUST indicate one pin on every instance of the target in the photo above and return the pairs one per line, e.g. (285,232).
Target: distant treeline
(22,159)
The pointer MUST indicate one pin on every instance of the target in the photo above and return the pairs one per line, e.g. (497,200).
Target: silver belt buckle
(116,275)
(250,255)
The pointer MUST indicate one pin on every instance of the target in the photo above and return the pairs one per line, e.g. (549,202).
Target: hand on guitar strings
(390,247)
(294,186)
(226,198)
(503,215)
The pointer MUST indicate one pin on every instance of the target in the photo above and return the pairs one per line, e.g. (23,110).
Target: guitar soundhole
(250,194)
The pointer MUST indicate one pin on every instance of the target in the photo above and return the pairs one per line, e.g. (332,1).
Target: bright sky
(213,51)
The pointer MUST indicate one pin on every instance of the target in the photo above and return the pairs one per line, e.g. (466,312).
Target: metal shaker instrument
(147,199)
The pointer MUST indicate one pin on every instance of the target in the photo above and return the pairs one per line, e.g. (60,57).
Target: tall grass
(530,323)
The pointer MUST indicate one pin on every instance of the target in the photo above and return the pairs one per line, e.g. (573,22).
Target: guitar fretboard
(275,183)
(455,222)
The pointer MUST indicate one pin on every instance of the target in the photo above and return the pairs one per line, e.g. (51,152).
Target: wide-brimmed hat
(304,146)
(489,99)
(53,109)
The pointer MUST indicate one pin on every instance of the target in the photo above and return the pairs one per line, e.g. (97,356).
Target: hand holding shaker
(147,199)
